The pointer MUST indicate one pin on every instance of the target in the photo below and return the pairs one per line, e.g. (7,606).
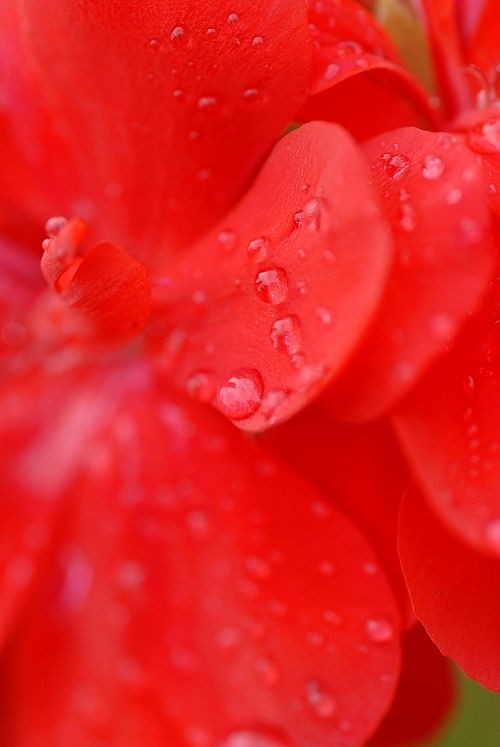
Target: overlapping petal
(432,193)
(454,591)
(207,603)
(266,309)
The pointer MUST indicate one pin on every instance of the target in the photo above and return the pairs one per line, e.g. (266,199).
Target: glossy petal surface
(199,601)
(454,591)
(173,121)
(432,193)
(271,303)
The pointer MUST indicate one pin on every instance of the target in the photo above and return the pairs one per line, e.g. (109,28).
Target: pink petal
(454,591)
(266,308)
(432,192)
(200,589)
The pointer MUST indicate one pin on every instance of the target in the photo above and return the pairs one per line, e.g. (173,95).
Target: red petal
(165,110)
(361,469)
(454,590)
(199,588)
(267,308)
(431,191)
(449,427)
(483,48)
(425,695)
(482,129)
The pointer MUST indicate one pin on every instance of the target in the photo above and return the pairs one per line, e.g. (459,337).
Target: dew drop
(250,738)
(324,315)
(322,703)
(433,167)
(154,45)
(210,31)
(314,215)
(286,336)
(251,94)
(267,672)
(271,285)
(407,217)
(379,629)
(453,196)
(54,225)
(331,72)
(347,49)
(240,393)
(177,34)
(257,40)
(394,165)
(258,248)
(207,103)
(485,138)
(233,17)
(227,240)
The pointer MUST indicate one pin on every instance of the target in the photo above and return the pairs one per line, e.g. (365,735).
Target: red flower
(165,578)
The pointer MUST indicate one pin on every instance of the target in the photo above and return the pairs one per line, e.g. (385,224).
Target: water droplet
(257,40)
(433,167)
(54,225)
(210,31)
(267,672)
(258,567)
(154,45)
(286,336)
(347,49)
(240,393)
(177,34)
(324,315)
(485,137)
(258,248)
(331,71)
(207,103)
(453,196)
(233,17)
(227,240)
(271,285)
(394,165)
(251,94)
(178,94)
(379,629)
(250,738)
(314,215)
(323,704)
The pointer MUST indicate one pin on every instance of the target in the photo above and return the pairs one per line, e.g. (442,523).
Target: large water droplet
(379,629)
(394,165)
(271,285)
(258,248)
(240,393)
(323,704)
(433,167)
(485,138)
(331,71)
(286,336)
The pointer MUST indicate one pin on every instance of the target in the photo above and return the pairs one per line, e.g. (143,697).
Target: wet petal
(189,594)
(267,307)
(432,192)
(160,115)
(454,591)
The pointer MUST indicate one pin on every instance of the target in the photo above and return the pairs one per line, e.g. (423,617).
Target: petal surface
(163,111)
(266,309)
(432,193)
(483,48)
(200,589)
(454,591)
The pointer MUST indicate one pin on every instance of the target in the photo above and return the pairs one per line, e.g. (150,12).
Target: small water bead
(323,704)
(233,17)
(407,219)
(227,239)
(286,335)
(314,215)
(453,196)
(258,248)
(154,45)
(250,738)
(177,34)
(347,49)
(54,225)
(331,72)
(207,103)
(271,285)
(240,393)
(257,40)
(210,31)
(485,138)
(324,314)
(301,286)
(251,94)
(394,165)
(178,94)
(379,630)
(267,672)
(433,167)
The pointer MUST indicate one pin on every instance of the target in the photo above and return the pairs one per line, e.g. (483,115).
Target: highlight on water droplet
(251,738)
(233,17)
(433,167)
(258,248)
(394,164)
(379,630)
(201,385)
(271,285)
(227,239)
(54,225)
(322,703)
(286,336)
(240,393)
(257,40)
(207,103)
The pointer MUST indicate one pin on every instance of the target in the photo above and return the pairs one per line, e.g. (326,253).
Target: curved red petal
(200,588)
(268,306)
(432,192)
(362,470)
(482,130)
(449,428)
(483,48)
(426,693)
(454,591)
(165,110)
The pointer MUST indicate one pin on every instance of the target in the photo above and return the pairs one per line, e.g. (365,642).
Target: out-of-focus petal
(432,193)
(483,48)
(449,428)
(266,308)
(199,588)
(362,470)
(454,591)
(482,130)
(425,695)
(161,112)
